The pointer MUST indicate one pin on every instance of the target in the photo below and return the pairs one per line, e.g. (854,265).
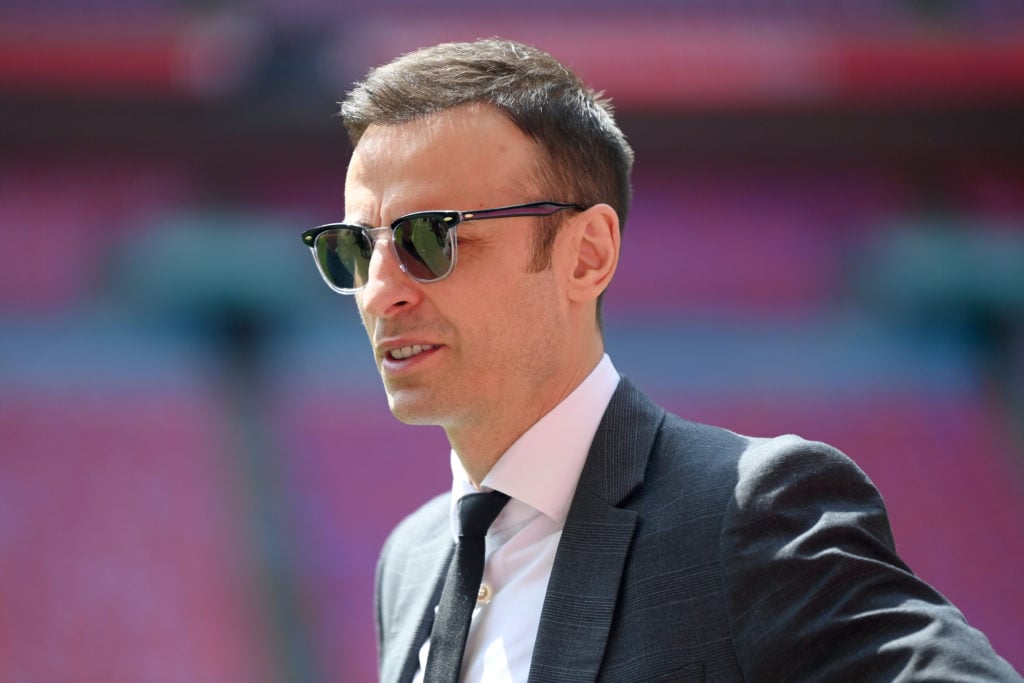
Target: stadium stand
(197,465)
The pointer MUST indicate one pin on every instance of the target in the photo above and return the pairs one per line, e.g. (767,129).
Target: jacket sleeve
(815,590)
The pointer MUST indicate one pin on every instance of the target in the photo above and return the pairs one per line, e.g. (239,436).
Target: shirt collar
(543,466)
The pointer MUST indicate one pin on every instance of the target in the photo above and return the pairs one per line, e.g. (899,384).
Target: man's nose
(388,288)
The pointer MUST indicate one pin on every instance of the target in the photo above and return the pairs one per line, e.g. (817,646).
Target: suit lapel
(431,563)
(584,586)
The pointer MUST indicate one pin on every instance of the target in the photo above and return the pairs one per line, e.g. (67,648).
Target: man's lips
(404,352)
(396,350)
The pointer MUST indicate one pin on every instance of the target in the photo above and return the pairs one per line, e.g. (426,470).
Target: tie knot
(477,511)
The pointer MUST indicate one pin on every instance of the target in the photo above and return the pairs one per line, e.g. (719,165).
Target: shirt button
(484,595)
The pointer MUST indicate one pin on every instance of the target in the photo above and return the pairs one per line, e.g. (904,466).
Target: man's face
(488,345)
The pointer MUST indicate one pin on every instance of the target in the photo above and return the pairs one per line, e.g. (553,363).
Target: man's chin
(414,410)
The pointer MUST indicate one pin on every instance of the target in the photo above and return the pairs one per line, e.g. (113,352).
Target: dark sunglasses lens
(424,245)
(343,255)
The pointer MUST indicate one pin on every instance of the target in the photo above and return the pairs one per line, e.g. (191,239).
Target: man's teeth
(409,351)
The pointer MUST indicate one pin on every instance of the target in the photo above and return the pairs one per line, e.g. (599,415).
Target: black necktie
(448,635)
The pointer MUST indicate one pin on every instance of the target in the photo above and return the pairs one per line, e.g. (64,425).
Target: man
(635,546)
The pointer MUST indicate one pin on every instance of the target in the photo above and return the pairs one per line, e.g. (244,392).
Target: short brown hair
(589,160)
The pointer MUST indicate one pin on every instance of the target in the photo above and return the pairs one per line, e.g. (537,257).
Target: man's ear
(595,243)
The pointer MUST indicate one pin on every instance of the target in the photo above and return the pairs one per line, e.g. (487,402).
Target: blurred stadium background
(197,465)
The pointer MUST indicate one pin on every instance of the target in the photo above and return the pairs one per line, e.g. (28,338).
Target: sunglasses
(423,242)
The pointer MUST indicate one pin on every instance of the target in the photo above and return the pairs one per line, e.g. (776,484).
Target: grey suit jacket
(691,553)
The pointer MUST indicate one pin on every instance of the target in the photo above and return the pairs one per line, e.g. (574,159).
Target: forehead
(469,157)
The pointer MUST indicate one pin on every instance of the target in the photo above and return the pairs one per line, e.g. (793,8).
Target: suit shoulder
(747,457)
(430,520)
(738,471)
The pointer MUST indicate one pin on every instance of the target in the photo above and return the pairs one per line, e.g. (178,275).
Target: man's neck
(481,441)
